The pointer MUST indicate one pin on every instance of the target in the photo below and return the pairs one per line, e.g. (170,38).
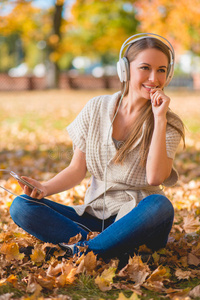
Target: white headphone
(123,64)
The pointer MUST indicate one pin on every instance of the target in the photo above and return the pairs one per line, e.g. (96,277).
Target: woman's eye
(162,70)
(144,68)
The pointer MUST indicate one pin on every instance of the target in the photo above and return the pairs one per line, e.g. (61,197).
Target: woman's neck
(132,105)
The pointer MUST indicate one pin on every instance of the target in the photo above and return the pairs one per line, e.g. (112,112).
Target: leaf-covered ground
(34,143)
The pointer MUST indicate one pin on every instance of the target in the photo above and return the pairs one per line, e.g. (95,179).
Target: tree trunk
(57,18)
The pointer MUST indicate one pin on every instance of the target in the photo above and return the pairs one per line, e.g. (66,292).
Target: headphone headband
(122,65)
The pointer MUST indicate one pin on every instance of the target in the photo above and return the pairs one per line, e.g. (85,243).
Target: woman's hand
(160,102)
(38,192)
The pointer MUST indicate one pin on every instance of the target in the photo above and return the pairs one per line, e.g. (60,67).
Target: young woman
(127,141)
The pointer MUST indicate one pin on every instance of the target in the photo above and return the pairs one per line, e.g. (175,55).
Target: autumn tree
(177,20)
(98,28)
(21,27)
(30,25)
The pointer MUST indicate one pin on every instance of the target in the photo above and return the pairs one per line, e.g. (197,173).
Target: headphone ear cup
(123,69)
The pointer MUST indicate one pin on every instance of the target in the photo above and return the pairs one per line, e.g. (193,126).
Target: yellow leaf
(11,251)
(134,296)
(159,274)
(61,280)
(71,276)
(37,256)
(11,279)
(105,281)
(156,257)
(103,284)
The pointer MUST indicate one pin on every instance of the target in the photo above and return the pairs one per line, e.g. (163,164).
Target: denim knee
(160,204)
(165,205)
(18,210)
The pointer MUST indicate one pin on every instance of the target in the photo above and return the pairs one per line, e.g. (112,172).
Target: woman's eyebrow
(150,65)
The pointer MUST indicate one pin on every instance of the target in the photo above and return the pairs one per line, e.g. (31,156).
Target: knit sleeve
(173,138)
(78,129)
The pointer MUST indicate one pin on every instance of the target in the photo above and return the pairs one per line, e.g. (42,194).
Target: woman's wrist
(159,120)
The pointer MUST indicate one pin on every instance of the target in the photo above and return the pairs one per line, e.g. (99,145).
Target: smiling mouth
(149,88)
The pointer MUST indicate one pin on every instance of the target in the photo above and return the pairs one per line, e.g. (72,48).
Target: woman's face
(148,70)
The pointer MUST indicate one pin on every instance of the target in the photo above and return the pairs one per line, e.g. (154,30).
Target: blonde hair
(146,114)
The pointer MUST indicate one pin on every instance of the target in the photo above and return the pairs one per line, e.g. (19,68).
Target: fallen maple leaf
(105,281)
(180,274)
(190,224)
(75,239)
(11,250)
(160,274)
(90,261)
(135,270)
(37,255)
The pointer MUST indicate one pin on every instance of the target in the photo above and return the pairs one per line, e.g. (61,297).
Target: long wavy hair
(146,115)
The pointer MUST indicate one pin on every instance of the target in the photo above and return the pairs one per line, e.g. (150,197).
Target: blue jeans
(148,223)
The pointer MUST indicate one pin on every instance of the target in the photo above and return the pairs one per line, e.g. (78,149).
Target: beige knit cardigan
(126,183)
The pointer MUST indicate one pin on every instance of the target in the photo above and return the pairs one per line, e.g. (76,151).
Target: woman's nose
(153,76)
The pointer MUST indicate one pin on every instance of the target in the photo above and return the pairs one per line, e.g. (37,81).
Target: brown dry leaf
(75,239)
(92,234)
(53,271)
(105,281)
(135,270)
(61,280)
(177,292)
(145,249)
(71,276)
(190,224)
(11,250)
(193,260)
(46,282)
(155,286)
(87,263)
(183,261)
(90,261)
(37,255)
(180,274)
(63,273)
(196,250)
(155,281)
(195,292)
(134,296)
(160,274)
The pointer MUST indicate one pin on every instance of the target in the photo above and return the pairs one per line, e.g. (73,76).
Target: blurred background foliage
(83,34)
